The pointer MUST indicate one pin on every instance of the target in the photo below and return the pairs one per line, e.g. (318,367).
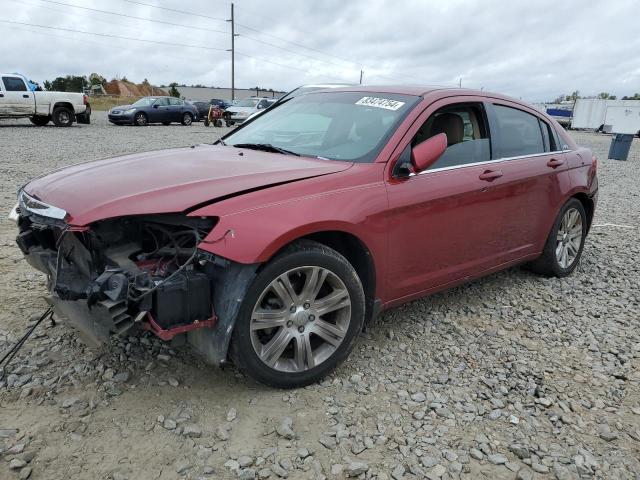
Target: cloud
(534,50)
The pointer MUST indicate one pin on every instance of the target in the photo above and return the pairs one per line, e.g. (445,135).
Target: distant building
(204,94)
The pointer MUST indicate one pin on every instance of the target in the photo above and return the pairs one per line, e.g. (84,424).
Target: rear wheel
(564,245)
(62,117)
(187,119)
(40,120)
(140,119)
(300,317)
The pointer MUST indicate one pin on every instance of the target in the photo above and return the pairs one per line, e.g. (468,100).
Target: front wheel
(299,318)
(187,119)
(140,119)
(62,117)
(563,248)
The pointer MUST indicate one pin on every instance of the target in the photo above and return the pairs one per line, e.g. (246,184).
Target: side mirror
(428,152)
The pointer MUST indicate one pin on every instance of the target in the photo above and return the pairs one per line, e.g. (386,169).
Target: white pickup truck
(18,100)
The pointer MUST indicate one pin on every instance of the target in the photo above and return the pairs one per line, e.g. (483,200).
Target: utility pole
(460,83)
(233,55)
(361,74)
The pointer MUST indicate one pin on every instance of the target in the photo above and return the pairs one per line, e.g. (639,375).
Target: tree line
(80,83)
(572,97)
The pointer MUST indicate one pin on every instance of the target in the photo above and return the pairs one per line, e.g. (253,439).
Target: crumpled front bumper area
(140,273)
(76,293)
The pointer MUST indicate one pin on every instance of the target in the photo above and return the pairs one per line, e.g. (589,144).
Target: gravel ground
(509,377)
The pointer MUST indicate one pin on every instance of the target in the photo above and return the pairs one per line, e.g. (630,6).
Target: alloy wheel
(569,238)
(300,319)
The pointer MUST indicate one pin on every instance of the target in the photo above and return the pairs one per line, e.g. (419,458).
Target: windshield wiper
(265,147)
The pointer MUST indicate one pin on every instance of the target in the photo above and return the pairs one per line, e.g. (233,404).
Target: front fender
(253,235)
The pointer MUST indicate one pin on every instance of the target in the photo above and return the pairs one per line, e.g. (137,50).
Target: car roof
(420,91)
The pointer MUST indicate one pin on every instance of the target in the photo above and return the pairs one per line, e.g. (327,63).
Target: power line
(106,12)
(297,44)
(218,19)
(291,51)
(186,26)
(260,32)
(94,42)
(248,27)
(273,63)
(157,42)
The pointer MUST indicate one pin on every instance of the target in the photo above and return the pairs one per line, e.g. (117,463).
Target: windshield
(351,126)
(144,102)
(247,102)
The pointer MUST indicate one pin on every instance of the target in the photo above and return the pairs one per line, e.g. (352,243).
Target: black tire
(40,120)
(140,119)
(218,123)
(187,119)
(206,122)
(303,253)
(62,117)
(166,123)
(548,264)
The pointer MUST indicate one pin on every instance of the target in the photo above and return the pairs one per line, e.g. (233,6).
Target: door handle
(555,163)
(490,175)
(25,96)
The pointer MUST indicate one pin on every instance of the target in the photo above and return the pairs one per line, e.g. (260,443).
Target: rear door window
(175,101)
(519,133)
(163,102)
(467,134)
(13,84)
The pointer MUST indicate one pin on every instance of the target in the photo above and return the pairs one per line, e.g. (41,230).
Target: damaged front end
(134,273)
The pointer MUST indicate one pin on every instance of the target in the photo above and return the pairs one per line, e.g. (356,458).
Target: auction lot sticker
(376,102)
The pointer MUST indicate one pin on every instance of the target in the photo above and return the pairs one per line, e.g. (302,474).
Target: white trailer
(623,119)
(620,116)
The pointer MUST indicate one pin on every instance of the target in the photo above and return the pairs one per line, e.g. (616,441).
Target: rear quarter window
(519,133)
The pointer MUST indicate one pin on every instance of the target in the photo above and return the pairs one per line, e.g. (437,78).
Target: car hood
(241,109)
(122,107)
(168,181)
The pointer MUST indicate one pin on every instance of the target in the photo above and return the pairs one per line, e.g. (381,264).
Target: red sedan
(276,245)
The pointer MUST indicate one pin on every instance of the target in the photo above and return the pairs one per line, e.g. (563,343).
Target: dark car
(203,109)
(274,246)
(220,103)
(154,110)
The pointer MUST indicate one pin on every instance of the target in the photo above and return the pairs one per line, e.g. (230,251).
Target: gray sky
(533,50)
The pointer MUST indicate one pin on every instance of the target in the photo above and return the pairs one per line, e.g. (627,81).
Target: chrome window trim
(30,204)
(496,160)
